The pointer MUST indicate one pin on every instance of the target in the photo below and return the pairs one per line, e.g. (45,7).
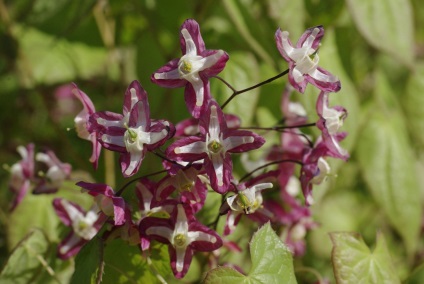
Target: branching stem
(235,92)
(270,164)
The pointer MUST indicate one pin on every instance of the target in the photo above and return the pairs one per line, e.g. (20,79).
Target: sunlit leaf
(282,13)
(386,162)
(26,261)
(36,211)
(48,60)
(387,25)
(413,102)
(353,261)
(272,262)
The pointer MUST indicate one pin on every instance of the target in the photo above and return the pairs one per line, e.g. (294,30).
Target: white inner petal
(293,186)
(114,140)
(134,161)
(44,158)
(318,75)
(302,56)
(109,123)
(134,98)
(324,171)
(179,264)
(55,175)
(235,141)
(161,231)
(218,165)
(201,236)
(195,148)
(173,74)
(69,244)
(22,151)
(214,128)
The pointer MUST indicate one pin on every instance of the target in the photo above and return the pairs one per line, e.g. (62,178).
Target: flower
(214,145)
(82,124)
(248,201)
(107,201)
(56,174)
(330,120)
(149,206)
(315,168)
(190,127)
(189,184)
(85,226)
(193,69)
(21,174)
(132,133)
(183,234)
(303,60)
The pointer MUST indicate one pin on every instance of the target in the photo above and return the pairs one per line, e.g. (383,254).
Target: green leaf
(49,60)
(413,102)
(125,264)
(236,16)
(223,275)
(27,259)
(87,262)
(417,276)
(241,71)
(387,164)
(272,262)
(282,13)
(23,219)
(387,25)
(354,262)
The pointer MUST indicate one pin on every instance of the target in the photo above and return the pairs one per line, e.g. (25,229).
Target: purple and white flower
(85,226)
(330,120)
(183,234)
(22,173)
(107,201)
(303,60)
(193,69)
(82,124)
(55,175)
(214,145)
(132,133)
(190,185)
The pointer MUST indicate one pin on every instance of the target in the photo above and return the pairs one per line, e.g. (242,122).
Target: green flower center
(186,67)
(244,203)
(214,147)
(179,240)
(185,187)
(82,226)
(132,135)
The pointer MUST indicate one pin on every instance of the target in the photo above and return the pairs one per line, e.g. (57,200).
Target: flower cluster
(197,154)
(49,178)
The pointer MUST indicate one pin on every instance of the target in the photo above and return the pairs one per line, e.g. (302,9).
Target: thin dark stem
(226,83)
(235,93)
(280,127)
(165,158)
(270,164)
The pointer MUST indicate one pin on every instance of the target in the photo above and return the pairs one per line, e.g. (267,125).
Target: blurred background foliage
(375,47)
